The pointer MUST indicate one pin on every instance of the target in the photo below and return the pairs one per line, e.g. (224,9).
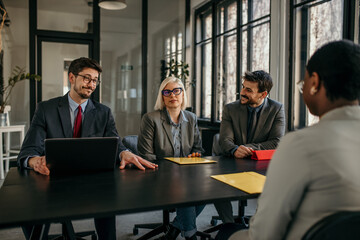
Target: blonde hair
(159,105)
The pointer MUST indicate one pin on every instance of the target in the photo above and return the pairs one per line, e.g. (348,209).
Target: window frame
(212,9)
(348,32)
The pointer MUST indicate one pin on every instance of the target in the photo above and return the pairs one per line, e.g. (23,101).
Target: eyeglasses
(167,92)
(300,86)
(87,79)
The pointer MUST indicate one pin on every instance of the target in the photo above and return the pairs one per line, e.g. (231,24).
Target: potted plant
(179,69)
(18,74)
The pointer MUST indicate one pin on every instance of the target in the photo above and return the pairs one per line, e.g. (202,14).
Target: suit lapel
(184,132)
(263,116)
(89,118)
(167,127)
(243,115)
(64,114)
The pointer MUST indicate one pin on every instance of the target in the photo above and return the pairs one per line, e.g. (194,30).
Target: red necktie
(77,124)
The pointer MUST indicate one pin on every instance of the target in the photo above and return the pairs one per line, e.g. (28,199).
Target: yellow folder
(250,182)
(192,160)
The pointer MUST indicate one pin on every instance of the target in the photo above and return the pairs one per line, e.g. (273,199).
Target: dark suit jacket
(270,127)
(156,140)
(52,120)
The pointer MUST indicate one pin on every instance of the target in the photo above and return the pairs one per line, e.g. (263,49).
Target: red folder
(262,154)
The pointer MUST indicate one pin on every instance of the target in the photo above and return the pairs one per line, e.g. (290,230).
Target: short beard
(84,96)
(249,102)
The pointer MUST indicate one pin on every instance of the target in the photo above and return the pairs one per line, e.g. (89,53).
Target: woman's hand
(194,154)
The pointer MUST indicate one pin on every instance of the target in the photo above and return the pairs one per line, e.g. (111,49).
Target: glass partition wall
(165,41)
(120,57)
(65,35)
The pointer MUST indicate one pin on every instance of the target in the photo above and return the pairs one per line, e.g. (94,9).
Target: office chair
(130,142)
(68,233)
(216,151)
(340,225)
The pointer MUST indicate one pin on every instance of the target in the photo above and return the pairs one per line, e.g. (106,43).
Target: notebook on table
(67,155)
(250,182)
(189,160)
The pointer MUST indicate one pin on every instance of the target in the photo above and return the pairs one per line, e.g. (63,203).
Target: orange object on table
(262,154)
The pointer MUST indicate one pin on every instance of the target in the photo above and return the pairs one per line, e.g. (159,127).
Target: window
(226,51)
(231,37)
(314,24)
(173,48)
(358,25)
(203,60)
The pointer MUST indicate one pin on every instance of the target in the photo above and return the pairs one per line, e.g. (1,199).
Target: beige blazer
(314,173)
(156,141)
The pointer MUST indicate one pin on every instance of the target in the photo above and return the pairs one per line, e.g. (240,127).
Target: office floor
(125,223)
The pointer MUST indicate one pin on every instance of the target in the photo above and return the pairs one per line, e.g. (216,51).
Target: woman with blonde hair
(171,131)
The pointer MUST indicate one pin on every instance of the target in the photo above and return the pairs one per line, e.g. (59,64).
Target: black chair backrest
(130,142)
(341,225)
(216,150)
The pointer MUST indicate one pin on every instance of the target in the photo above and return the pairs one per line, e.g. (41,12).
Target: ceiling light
(112,4)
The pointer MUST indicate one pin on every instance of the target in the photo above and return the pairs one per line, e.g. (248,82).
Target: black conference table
(30,198)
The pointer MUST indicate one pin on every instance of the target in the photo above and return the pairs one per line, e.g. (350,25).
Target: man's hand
(243,152)
(130,158)
(194,154)
(39,165)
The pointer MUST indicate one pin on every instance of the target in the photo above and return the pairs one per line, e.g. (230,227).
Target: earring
(313,91)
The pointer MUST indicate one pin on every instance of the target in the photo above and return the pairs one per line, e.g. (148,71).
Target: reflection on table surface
(30,197)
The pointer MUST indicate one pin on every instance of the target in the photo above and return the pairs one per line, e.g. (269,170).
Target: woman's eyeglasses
(87,79)
(167,92)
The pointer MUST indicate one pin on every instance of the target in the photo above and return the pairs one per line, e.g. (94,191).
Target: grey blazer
(156,140)
(270,126)
(52,120)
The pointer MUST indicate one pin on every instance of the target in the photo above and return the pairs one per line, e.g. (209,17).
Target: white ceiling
(159,10)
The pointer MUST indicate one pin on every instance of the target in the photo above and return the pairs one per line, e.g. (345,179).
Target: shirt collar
(258,108)
(73,105)
(182,117)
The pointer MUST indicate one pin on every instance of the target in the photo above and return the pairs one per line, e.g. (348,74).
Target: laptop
(70,155)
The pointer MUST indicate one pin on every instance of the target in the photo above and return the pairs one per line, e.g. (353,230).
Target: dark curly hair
(263,79)
(79,64)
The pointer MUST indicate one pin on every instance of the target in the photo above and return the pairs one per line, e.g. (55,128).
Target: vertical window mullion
(238,50)
(202,78)
(202,52)
(225,54)
(303,59)
(349,19)
(213,63)
(249,36)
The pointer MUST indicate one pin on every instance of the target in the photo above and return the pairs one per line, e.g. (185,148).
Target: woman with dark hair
(315,171)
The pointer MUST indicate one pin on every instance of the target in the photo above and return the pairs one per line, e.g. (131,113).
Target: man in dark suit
(255,122)
(75,115)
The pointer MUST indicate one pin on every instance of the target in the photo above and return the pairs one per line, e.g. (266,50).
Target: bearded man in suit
(57,117)
(255,122)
